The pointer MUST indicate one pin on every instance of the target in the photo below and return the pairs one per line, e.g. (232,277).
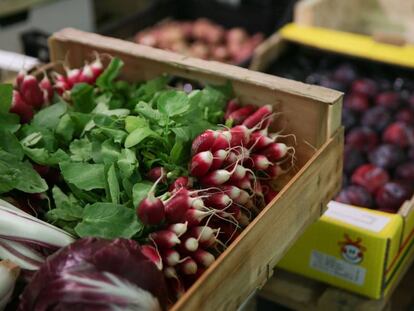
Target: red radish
(171,257)
(31,92)
(97,67)
(194,217)
(47,89)
(218,200)
(72,76)
(203,257)
(155,173)
(188,266)
(243,183)
(233,210)
(215,178)
(164,239)
(152,254)
(170,273)
(20,108)
(240,136)
(242,198)
(239,172)
(190,244)
(222,141)
(201,163)
(259,116)
(274,171)
(176,207)
(204,141)
(231,158)
(151,210)
(19,79)
(232,191)
(260,162)
(218,159)
(232,105)
(181,182)
(269,195)
(61,87)
(244,220)
(86,75)
(178,229)
(259,141)
(204,234)
(239,115)
(275,151)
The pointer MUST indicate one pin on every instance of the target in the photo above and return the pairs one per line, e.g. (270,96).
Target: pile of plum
(378,115)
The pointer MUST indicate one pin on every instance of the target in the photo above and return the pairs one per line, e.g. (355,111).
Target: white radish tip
(191,244)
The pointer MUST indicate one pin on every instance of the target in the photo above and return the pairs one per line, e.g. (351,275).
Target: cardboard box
(354,248)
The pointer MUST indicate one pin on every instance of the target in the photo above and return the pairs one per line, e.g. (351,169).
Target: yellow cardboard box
(354,248)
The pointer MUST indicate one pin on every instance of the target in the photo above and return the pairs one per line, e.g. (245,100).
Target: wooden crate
(386,20)
(311,113)
(302,294)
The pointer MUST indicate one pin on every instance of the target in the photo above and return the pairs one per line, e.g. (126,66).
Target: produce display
(201,38)
(135,188)
(378,115)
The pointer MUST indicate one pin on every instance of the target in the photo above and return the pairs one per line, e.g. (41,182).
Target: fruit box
(311,113)
(254,16)
(354,248)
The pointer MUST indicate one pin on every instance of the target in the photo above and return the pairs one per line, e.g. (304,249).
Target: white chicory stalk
(8,275)
(22,236)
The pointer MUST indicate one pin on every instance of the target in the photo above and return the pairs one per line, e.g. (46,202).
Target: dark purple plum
(345,181)
(387,156)
(411,101)
(393,194)
(370,177)
(405,115)
(365,86)
(376,118)
(352,159)
(362,138)
(405,171)
(345,73)
(355,195)
(356,102)
(410,153)
(389,100)
(332,84)
(400,134)
(349,118)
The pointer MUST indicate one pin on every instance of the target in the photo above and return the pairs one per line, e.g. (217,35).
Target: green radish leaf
(15,174)
(9,122)
(81,150)
(173,103)
(6,97)
(44,157)
(134,122)
(176,153)
(85,176)
(127,163)
(106,80)
(67,208)
(138,136)
(113,185)
(49,117)
(82,97)
(10,143)
(140,192)
(109,221)
(147,90)
(65,128)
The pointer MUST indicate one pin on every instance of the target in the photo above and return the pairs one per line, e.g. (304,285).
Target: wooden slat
(306,111)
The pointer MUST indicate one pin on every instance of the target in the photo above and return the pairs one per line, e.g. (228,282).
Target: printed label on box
(337,267)
(356,216)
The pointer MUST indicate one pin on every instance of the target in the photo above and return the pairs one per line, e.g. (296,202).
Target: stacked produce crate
(363,243)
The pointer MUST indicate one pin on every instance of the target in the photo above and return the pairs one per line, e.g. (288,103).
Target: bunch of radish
(231,171)
(202,38)
(31,95)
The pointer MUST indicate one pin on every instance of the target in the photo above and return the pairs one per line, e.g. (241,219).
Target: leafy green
(82,97)
(15,174)
(108,220)
(140,191)
(85,176)
(9,122)
(106,79)
(6,95)
(50,116)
